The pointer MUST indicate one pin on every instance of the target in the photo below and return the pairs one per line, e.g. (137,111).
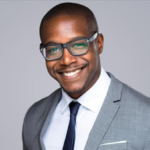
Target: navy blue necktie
(70,137)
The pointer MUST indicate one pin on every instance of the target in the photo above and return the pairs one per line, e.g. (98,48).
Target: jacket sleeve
(147,143)
(23,135)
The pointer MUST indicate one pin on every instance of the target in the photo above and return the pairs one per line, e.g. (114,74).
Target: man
(92,110)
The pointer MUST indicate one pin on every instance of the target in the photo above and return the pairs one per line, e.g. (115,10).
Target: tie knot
(74,106)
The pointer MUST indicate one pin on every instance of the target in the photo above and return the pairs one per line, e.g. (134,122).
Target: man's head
(65,23)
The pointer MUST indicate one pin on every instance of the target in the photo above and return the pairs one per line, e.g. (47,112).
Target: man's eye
(53,50)
(79,45)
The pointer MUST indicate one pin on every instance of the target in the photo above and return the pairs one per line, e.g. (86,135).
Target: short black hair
(72,9)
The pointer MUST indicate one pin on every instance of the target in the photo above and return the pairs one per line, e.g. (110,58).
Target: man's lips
(71,71)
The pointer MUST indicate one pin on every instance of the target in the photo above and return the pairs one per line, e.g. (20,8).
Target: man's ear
(100,41)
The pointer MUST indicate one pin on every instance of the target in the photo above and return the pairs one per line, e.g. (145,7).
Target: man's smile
(71,73)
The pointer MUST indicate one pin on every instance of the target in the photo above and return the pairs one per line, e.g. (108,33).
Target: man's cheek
(51,73)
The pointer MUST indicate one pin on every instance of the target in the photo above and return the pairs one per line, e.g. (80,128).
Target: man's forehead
(77,20)
(64,26)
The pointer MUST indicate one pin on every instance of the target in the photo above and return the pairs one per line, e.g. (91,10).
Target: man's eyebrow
(70,40)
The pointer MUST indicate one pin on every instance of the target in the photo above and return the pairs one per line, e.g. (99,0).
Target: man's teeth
(71,73)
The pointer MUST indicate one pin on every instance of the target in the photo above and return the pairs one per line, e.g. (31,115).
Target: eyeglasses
(76,48)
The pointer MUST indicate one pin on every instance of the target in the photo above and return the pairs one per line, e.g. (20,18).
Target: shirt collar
(94,97)
(66,100)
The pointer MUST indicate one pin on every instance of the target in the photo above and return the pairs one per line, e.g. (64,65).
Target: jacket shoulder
(135,105)
(42,104)
(133,95)
(35,117)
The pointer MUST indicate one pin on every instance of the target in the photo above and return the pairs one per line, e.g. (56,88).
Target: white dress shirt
(91,103)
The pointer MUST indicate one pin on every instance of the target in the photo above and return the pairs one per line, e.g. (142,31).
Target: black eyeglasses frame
(66,45)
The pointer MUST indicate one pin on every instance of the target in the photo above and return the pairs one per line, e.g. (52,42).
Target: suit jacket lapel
(53,103)
(106,114)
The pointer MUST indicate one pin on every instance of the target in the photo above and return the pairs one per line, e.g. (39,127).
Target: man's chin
(74,93)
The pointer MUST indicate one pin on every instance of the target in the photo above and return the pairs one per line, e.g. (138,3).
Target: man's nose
(67,58)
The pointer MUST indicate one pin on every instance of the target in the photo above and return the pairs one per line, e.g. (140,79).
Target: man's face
(75,74)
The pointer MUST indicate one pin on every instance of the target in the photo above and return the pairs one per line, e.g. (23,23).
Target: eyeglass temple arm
(93,37)
(40,46)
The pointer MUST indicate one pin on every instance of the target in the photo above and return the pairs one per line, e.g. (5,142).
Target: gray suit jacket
(123,122)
